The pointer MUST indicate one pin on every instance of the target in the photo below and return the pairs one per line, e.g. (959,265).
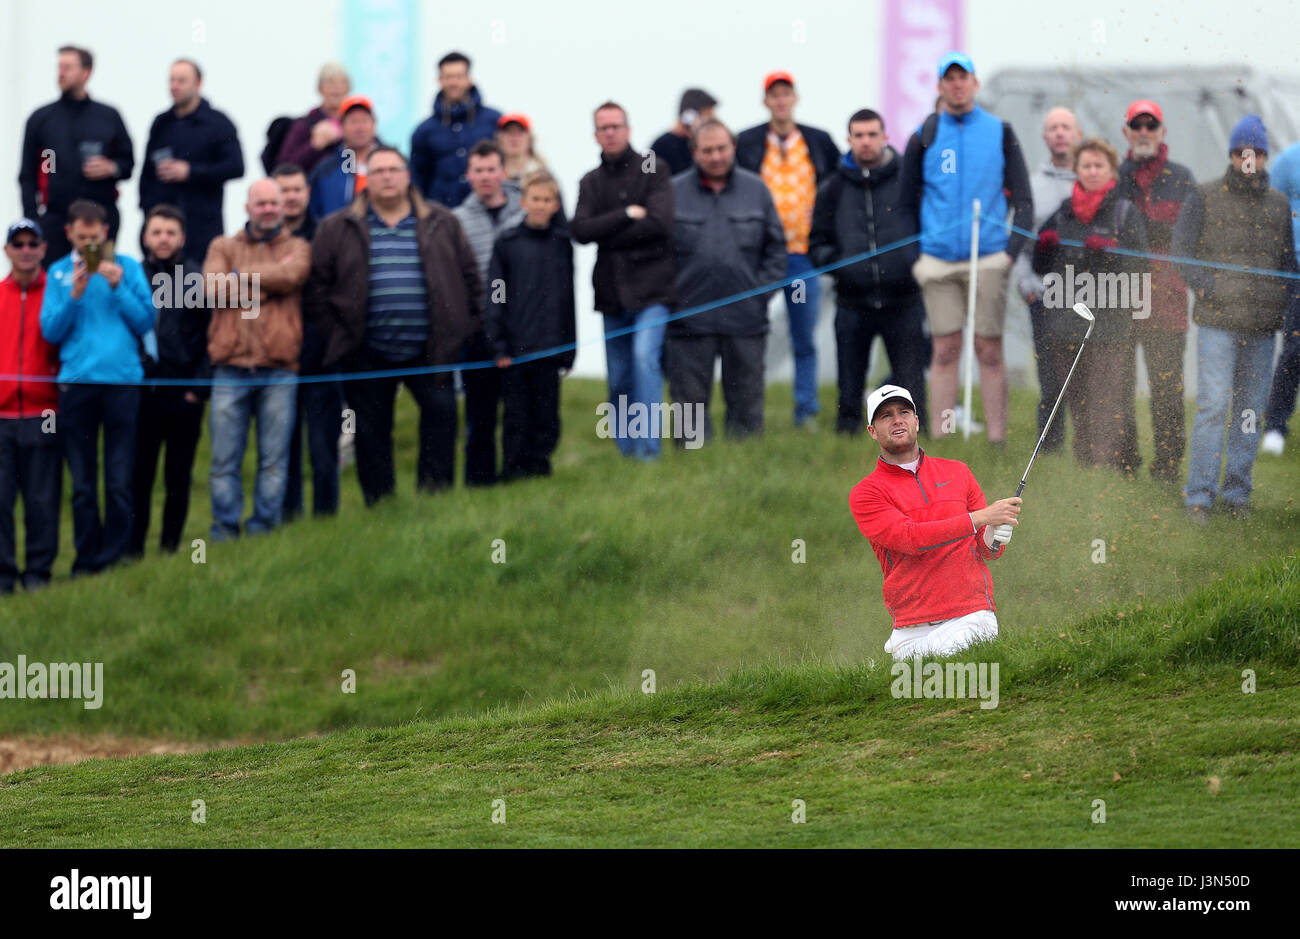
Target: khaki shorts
(944,285)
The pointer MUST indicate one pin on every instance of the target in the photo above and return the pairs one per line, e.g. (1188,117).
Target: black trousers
(483,392)
(1163,352)
(31,464)
(372,401)
(83,410)
(320,408)
(531,422)
(166,418)
(688,360)
(901,327)
(1051,376)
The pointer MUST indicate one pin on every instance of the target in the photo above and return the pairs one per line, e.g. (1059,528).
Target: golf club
(1002,534)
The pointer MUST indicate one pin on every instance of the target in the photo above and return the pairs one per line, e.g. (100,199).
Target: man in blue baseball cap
(940,188)
(1240,223)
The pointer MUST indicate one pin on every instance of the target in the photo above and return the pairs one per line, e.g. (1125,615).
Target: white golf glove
(1002,535)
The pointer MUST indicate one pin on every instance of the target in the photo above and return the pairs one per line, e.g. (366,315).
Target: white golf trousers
(944,637)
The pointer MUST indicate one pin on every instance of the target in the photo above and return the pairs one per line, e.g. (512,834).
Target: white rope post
(970,317)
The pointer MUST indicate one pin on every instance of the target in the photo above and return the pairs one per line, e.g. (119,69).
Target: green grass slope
(1140,706)
(611,568)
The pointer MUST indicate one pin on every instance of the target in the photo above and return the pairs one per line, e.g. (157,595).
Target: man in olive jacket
(414,312)
(1235,220)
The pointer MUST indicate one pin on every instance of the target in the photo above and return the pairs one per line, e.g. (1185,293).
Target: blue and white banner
(381,47)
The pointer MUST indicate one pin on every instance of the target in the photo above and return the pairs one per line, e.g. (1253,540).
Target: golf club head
(1082,310)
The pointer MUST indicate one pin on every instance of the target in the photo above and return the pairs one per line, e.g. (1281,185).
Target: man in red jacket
(932,533)
(31,461)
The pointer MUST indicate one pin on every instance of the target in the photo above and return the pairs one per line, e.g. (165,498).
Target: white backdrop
(555,63)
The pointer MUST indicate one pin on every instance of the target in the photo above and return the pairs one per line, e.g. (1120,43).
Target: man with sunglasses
(1159,187)
(30,459)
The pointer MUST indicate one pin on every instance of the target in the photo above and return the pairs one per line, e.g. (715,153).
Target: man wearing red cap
(793,159)
(335,180)
(1159,187)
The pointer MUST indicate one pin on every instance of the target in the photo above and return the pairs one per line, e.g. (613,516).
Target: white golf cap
(886,393)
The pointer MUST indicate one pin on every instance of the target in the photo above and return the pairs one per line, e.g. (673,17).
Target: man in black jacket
(793,159)
(626,207)
(193,150)
(74,148)
(729,240)
(859,210)
(170,414)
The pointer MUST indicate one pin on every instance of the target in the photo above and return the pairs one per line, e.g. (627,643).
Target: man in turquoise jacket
(99,320)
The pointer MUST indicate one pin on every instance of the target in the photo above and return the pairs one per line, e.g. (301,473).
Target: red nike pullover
(919,525)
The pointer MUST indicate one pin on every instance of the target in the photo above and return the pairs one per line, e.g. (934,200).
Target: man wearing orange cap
(335,180)
(1159,187)
(793,159)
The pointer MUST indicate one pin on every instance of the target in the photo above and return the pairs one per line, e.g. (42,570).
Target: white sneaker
(958,415)
(1274,443)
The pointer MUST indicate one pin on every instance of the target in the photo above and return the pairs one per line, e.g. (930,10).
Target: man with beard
(932,533)
(1159,187)
(170,415)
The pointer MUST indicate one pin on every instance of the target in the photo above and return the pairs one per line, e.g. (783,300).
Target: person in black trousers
(859,209)
(534,260)
(170,415)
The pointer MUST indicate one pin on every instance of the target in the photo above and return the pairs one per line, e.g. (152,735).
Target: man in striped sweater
(396,289)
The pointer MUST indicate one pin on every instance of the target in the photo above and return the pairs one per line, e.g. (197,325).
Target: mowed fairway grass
(530,670)
(1133,733)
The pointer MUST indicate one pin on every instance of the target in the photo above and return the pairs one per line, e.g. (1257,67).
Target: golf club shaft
(1059,398)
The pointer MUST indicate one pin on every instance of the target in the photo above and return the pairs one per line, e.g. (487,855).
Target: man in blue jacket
(959,154)
(193,151)
(440,145)
(338,178)
(95,318)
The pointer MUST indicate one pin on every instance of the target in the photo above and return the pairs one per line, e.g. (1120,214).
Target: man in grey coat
(729,239)
(1051,185)
(490,209)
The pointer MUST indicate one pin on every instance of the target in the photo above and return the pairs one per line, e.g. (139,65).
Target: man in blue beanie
(1239,221)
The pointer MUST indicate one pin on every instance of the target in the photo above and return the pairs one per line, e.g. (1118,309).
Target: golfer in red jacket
(927,522)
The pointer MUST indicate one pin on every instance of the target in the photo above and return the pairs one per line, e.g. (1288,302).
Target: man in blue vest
(960,154)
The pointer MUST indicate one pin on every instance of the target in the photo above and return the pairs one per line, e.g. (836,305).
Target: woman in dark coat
(1072,256)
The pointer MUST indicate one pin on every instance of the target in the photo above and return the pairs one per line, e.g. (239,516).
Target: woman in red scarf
(1075,255)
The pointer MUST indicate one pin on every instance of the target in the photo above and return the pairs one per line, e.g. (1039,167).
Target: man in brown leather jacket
(254,282)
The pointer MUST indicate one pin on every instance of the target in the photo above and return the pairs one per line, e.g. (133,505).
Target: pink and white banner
(917,35)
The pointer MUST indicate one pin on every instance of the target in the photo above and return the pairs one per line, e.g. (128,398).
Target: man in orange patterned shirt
(793,160)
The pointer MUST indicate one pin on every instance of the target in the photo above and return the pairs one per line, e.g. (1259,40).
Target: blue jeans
(635,365)
(1233,373)
(232,408)
(803,324)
